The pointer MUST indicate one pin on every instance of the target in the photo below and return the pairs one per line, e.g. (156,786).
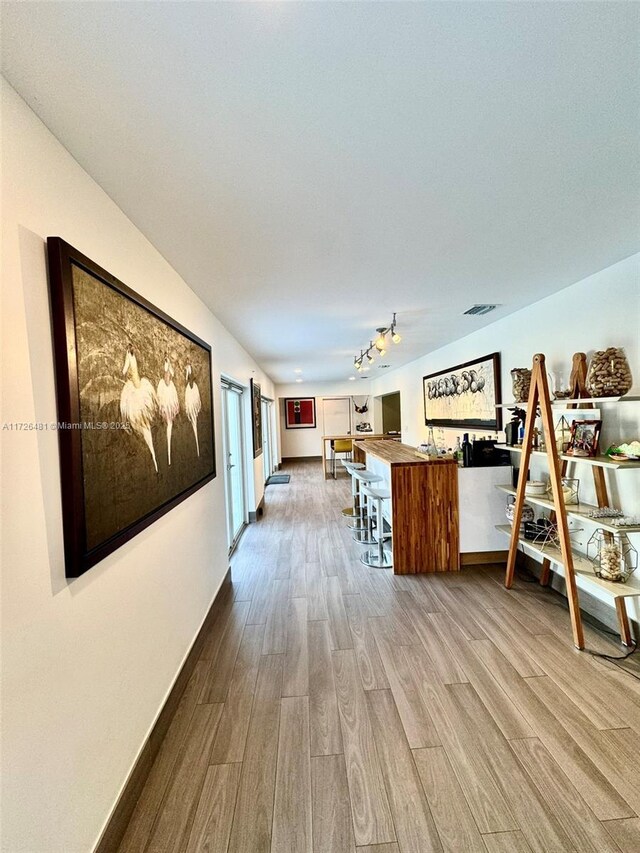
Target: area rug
(277,479)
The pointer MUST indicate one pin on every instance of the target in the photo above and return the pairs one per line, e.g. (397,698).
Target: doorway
(267,438)
(233,448)
(391,413)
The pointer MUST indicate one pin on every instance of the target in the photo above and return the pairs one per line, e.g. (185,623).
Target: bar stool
(352,511)
(380,557)
(362,478)
(340,445)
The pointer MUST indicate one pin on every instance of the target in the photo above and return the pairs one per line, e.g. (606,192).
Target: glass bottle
(467,452)
(432,450)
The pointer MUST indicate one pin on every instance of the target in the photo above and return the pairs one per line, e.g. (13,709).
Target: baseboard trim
(121,815)
(254,516)
(301,459)
(483,558)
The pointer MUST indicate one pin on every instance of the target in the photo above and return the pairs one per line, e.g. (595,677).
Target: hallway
(339,708)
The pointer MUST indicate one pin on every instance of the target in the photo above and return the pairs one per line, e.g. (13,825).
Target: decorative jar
(521,379)
(613,556)
(528,513)
(609,374)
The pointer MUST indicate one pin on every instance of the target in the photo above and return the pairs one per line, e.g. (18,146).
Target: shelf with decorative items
(583,512)
(567,443)
(567,401)
(582,567)
(598,461)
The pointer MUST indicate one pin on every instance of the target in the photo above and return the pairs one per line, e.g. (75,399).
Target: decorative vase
(609,374)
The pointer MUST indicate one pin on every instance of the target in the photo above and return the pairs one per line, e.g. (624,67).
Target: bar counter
(393,453)
(423,510)
(358,436)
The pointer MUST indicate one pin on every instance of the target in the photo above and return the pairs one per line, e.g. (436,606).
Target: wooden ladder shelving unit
(539,395)
(578,388)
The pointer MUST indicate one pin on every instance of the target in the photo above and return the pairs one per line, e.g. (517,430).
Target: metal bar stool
(362,478)
(353,510)
(380,557)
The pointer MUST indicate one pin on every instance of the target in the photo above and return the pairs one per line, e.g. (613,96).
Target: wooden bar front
(424,506)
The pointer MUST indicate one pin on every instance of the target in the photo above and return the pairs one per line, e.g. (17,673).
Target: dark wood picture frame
(83,547)
(450,383)
(256,417)
(580,443)
(292,425)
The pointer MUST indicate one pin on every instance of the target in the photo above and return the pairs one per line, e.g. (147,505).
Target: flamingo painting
(168,400)
(138,401)
(192,402)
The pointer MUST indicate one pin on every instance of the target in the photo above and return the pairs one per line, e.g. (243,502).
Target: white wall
(600,311)
(86,664)
(307,442)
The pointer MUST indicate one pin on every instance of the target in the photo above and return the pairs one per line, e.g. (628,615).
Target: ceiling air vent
(480,309)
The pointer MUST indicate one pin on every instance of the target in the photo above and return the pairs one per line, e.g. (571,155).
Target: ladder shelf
(577,570)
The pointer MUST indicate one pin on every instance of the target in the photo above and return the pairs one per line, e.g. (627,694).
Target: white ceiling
(309,168)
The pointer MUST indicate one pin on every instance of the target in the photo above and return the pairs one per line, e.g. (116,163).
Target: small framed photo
(585,436)
(300,413)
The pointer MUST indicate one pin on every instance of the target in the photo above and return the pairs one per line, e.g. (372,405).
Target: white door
(336,413)
(336,418)
(234,479)
(267,447)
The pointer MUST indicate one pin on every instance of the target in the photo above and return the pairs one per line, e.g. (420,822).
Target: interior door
(336,415)
(267,446)
(234,478)
(336,418)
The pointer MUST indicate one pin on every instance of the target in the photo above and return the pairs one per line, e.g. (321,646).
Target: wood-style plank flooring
(341,709)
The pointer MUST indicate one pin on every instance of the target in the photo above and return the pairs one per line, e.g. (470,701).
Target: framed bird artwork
(135,408)
(465,395)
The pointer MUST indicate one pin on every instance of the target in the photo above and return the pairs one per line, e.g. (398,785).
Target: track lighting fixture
(379,346)
(395,337)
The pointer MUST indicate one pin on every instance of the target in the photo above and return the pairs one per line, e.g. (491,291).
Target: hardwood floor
(341,709)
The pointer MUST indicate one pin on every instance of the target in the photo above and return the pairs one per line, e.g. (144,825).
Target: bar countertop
(393,453)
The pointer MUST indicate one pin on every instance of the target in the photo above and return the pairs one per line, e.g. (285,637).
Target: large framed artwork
(256,418)
(300,413)
(135,408)
(465,395)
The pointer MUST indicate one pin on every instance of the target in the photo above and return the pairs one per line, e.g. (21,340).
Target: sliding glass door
(234,476)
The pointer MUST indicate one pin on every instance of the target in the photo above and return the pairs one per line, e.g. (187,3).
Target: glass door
(267,447)
(234,479)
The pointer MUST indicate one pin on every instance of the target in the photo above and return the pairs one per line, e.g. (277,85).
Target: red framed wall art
(300,412)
